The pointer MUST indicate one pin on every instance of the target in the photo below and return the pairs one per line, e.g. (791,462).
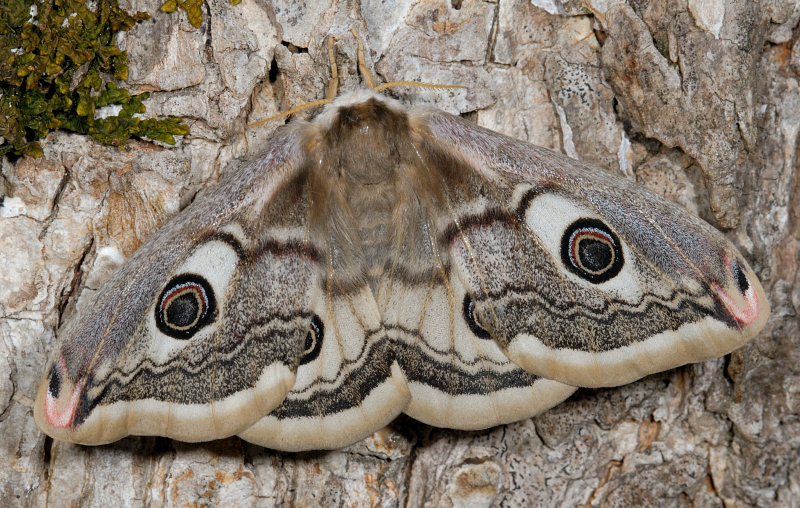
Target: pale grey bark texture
(697,100)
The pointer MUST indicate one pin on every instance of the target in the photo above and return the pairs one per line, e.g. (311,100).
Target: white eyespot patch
(591,253)
(191,302)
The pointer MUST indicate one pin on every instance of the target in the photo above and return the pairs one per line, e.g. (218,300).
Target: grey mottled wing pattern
(137,363)
(674,291)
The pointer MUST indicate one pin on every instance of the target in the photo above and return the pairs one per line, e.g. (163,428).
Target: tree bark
(698,101)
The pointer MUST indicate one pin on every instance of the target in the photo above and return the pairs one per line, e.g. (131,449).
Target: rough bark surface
(697,100)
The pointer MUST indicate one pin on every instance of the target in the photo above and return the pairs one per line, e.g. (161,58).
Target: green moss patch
(58,66)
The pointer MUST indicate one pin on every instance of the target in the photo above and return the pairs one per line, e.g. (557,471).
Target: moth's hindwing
(457,375)
(348,382)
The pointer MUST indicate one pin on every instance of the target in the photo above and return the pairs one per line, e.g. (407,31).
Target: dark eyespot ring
(185,306)
(313,343)
(472,322)
(591,250)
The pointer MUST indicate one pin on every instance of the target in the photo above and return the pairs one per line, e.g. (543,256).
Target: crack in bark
(62,185)
(77,277)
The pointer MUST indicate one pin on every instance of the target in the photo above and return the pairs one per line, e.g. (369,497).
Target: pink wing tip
(745,309)
(61,415)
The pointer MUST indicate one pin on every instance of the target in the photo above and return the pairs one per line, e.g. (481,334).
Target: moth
(380,260)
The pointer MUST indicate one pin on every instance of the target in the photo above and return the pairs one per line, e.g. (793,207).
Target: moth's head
(365,140)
